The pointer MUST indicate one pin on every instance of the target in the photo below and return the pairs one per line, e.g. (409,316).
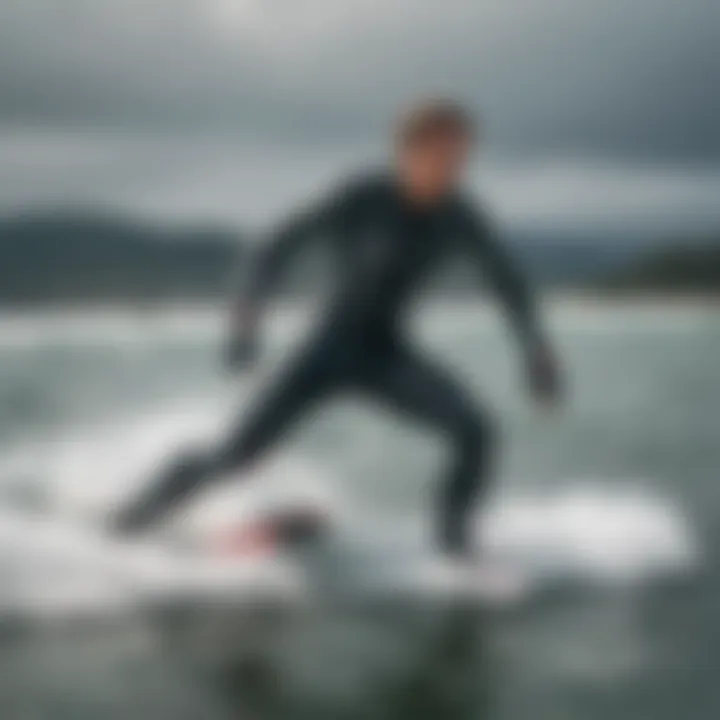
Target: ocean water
(614,502)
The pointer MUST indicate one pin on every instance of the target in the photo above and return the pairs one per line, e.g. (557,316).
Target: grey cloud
(589,77)
(598,110)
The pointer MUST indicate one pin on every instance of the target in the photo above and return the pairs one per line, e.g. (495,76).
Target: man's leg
(304,382)
(408,382)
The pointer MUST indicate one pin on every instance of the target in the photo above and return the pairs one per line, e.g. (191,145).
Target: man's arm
(487,252)
(261,276)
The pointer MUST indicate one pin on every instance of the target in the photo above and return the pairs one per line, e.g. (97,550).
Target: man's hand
(242,348)
(241,353)
(544,376)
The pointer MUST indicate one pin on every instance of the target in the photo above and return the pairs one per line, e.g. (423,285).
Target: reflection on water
(576,658)
(378,663)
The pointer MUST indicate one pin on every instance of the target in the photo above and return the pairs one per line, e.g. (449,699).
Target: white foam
(86,473)
(582,534)
(586,531)
(625,534)
(53,568)
(55,558)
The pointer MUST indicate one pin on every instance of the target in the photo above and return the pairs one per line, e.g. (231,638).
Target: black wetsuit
(384,247)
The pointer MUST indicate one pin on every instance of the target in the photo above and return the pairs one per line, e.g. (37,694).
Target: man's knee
(235,454)
(475,434)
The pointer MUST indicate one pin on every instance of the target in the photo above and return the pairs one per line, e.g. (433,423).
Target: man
(388,232)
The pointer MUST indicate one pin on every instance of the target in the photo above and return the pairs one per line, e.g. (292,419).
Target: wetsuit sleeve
(486,250)
(264,271)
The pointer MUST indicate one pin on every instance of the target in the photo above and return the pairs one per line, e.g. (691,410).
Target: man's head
(434,140)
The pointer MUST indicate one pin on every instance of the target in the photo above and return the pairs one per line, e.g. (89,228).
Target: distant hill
(687,269)
(50,258)
(85,258)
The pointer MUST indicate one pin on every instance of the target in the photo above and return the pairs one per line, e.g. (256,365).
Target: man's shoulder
(365,185)
(368,183)
(469,209)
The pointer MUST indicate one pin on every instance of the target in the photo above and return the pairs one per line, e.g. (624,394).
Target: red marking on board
(252,540)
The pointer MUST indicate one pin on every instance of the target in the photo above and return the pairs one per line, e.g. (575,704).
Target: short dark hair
(429,118)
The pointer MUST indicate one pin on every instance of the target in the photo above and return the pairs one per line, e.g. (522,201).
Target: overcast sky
(228,109)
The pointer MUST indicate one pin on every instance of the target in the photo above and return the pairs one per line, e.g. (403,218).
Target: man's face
(433,166)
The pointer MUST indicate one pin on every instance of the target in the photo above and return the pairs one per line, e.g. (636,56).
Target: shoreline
(171,306)
(184,317)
